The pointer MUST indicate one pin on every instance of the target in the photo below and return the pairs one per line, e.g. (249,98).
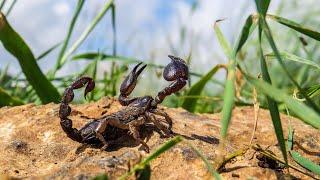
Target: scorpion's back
(128,114)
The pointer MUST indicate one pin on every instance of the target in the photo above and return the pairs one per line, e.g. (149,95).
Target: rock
(34,145)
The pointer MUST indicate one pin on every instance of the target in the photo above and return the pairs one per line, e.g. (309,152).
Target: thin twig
(256,107)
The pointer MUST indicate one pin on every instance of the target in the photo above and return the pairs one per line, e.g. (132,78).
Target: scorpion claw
(129,84)
(140,70)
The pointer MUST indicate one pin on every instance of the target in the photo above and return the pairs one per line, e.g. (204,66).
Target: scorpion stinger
(176,71)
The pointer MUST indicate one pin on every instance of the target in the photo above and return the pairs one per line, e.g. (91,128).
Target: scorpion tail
(176,71)
(65,109)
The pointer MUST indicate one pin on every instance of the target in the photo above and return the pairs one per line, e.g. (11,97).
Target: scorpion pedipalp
(129,84)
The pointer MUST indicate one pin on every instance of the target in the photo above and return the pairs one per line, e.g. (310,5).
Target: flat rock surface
(34,145)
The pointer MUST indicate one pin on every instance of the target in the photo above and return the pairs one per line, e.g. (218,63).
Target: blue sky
(147,29)
(144,27)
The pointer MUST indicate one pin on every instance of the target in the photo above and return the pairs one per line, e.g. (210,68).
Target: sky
(146,29)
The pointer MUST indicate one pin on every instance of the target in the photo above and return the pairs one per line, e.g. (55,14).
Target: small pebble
(235,175)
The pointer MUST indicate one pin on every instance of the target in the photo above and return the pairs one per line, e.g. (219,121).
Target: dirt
(33,145)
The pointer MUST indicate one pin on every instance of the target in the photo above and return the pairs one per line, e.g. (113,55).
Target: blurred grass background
(275,53)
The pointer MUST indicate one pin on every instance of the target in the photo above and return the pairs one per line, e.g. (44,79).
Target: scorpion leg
(65,109)
(165,115)
(160,126)
(99,130)
(129,84)
(133,128)
(176,71)
(104,122)
(104,142)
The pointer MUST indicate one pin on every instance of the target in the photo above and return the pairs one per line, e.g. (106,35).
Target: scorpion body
(134,113)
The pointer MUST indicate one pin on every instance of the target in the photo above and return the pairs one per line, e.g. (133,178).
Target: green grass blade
(290,138)
(108,57)
(305,113)
(303,74)
(86,32)
(13,43)
(114,29)
(293,25)
(11,7)
(196,89)
(166,146)
(101,177)
(262,6)
(272,105)
(246,31)
(128,60)
(105,57)
(214,173)
(7,100)
(2,4)
(292,57)
(306,163)
(272,156)
(222,41)
(4,73)
(312,91)
(114,49)
(229,91)
(70,30)
(268,34)
(169,144)
(93,74)
(45,53)
(144,174)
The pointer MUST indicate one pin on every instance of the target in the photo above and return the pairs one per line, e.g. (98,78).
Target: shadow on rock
(120,138)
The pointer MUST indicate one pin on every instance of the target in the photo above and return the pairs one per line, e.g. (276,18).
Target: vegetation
(296,92)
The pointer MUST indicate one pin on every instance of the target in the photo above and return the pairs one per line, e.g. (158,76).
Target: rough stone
(34,145)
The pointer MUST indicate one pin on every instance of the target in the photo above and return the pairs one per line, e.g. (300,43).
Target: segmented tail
(65,109)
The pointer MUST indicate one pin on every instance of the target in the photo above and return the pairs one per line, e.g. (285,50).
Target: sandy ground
(34,145)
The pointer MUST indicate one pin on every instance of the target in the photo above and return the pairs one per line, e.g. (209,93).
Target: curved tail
(176,71)
(65,109)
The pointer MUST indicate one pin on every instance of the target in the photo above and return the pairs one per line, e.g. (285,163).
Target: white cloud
(141,33)
(62,9)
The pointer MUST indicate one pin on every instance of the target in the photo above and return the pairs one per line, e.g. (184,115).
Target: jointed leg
(160,126)
(165,115)
(104,122)
(104,142)
(133,128)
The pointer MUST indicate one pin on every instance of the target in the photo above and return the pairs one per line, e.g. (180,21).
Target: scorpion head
(143,103)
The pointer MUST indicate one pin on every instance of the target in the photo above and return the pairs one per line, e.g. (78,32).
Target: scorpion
(136,111)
